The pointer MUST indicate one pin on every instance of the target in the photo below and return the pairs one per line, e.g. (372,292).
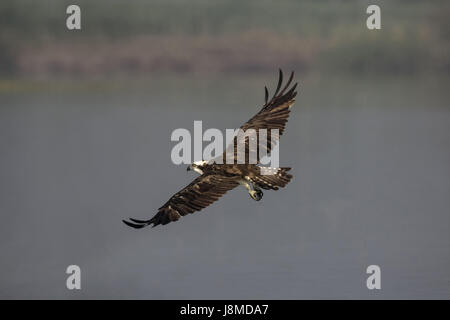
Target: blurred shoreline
(250,52)
(224,37)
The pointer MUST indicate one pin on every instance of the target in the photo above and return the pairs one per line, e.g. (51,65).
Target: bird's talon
(256,195)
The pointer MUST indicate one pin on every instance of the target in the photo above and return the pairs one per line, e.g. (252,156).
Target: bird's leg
(257,193)
(254,192)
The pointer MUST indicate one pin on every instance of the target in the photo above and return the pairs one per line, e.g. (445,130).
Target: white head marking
(200,163)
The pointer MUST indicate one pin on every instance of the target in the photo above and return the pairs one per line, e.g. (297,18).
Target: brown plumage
(216,178)
(199,194)
(273,115)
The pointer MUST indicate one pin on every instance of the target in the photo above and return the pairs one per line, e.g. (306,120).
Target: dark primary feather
(266,94)
(273,115)
(199,194)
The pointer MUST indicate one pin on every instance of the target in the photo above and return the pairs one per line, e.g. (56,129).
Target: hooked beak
(188,168)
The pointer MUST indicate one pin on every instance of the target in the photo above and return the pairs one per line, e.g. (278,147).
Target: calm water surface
(370,159)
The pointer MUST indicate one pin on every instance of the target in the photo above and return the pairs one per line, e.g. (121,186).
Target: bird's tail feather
(273,178)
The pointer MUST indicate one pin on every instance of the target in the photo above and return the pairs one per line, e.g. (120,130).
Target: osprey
(216,179)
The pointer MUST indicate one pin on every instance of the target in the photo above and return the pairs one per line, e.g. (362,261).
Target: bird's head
(197,166)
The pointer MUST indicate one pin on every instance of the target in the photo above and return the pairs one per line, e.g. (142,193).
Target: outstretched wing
(199,194)
(273,115)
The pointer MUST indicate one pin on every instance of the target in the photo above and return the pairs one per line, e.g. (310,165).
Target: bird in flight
(216,179)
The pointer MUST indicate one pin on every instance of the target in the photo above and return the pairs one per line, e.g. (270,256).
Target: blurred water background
(85,124)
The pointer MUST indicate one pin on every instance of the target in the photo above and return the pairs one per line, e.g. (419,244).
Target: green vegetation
(243,36)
